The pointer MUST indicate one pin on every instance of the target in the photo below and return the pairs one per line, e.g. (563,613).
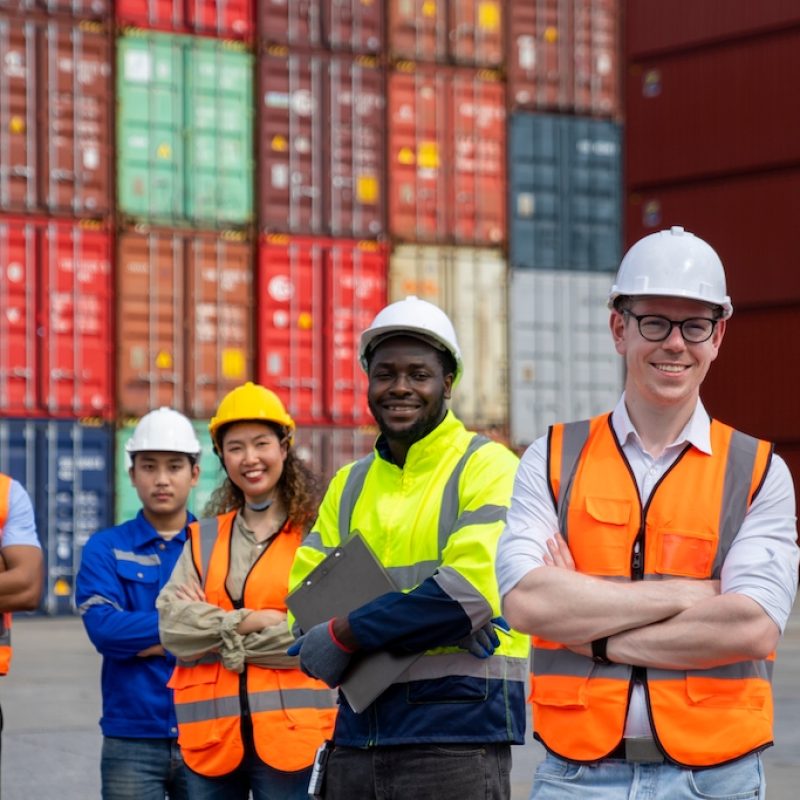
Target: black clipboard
(349,577)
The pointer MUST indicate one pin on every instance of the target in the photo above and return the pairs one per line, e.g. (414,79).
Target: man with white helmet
(652,552)
(430,500)
(122,571)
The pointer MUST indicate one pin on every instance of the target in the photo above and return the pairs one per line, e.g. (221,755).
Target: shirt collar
(696,432)
(428,446)
(146,533)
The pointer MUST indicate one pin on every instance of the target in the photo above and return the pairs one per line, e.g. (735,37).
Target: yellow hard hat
(250,402)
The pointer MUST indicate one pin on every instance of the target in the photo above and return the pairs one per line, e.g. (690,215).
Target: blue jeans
(422,772)
(142,769)
(253,775)
(614,779)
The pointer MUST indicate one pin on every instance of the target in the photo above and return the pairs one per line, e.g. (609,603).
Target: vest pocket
(726,693)
(559,691)
(685,554)
(605,550)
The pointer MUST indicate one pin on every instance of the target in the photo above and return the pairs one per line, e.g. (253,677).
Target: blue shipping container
(67,468)
(565,184)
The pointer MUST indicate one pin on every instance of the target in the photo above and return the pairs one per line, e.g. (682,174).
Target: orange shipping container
(184,327)
(447,142)
(55,105)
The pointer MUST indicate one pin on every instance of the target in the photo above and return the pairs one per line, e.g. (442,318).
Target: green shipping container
(126,501)
(184,130)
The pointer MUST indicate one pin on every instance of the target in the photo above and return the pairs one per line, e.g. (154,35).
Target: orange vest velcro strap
(291,713)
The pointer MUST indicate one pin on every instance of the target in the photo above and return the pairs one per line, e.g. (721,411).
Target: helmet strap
(263,506)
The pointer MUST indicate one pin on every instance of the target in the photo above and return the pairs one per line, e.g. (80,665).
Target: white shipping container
(469,284)
(563,363)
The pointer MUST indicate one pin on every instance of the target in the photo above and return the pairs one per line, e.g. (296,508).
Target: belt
(640,750)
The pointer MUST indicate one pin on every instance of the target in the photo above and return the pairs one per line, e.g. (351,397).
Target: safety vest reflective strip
(700,717)
(291,713)
(5,618)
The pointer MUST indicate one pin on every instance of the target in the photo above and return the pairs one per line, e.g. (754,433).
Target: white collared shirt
(761,563)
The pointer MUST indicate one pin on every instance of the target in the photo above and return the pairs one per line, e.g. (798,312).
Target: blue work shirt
(122,571)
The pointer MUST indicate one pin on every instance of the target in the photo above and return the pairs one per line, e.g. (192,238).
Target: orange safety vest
(700,717)
(5,617)
(291,713)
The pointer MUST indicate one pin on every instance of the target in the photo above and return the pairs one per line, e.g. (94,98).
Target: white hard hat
(416,318)
(673,263)
(164,430)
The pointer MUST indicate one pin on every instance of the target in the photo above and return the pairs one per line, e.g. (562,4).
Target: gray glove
(321,656)
(483,642)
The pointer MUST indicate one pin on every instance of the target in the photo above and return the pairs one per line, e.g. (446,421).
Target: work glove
(483,642)
(321,655)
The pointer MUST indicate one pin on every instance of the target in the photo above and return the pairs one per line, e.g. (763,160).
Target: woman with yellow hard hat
(248,719)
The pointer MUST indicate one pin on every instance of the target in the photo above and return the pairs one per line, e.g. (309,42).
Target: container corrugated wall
(563,362)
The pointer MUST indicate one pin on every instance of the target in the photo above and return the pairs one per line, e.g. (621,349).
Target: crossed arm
(21,578)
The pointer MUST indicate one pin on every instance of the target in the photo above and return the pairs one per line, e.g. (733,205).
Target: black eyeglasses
(656,328)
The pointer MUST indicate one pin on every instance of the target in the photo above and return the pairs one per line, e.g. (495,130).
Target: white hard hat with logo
(416,318)
(164,430)
(673,263)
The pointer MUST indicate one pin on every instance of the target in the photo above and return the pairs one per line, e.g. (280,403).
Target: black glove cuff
(599,651)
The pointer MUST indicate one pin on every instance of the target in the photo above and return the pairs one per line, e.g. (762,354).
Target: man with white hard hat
(652,552)
(122,571)
(431,500)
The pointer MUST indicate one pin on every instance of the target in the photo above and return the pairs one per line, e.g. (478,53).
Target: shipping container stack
(714,146)
(56,393)
(564,209)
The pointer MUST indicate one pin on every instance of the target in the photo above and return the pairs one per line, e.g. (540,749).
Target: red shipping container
(447,174)
(475,34)
(222,18)
(75,339)
(322,144)
(184,327)
(18,276)
(749,385)
(653,26)
(81,9)
(749,219)
(55,90)
(311,311)
(417,30)
(328,449)
(563,55)
(354,26)
(219,314)
(713,112)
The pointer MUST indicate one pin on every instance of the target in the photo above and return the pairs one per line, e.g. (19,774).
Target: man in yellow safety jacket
(652,553)
(430,500)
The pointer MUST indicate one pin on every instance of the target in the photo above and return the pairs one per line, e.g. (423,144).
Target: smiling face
(668,373)
(163,481)
(253,454)
(407,390)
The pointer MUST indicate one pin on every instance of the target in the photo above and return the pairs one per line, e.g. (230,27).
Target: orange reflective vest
(699,717)
(5,618)
(291,713)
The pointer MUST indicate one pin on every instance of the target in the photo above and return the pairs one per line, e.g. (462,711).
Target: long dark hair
(299,487)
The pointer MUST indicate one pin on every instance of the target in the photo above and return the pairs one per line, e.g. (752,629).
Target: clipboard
(349,577)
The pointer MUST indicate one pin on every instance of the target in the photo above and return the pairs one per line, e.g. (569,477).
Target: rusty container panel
(328,449)
(356,159)
(295,24)
(469,284)
(75,335)
(75,150)
(355,291)
(749,219)
(596,39)
(291,141)
(476,32)
(18,290)
(322,144)
(764,401)
(290,324)
(18,115)
(150,321)
(418,154)
(478,189)
(80,9)
(653,26)
(705,113)
(354,26)
(417,30)
(219,313)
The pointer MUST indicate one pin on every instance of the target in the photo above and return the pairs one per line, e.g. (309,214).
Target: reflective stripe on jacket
(5,617)
(291,713)
(440,516)
(699,717)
